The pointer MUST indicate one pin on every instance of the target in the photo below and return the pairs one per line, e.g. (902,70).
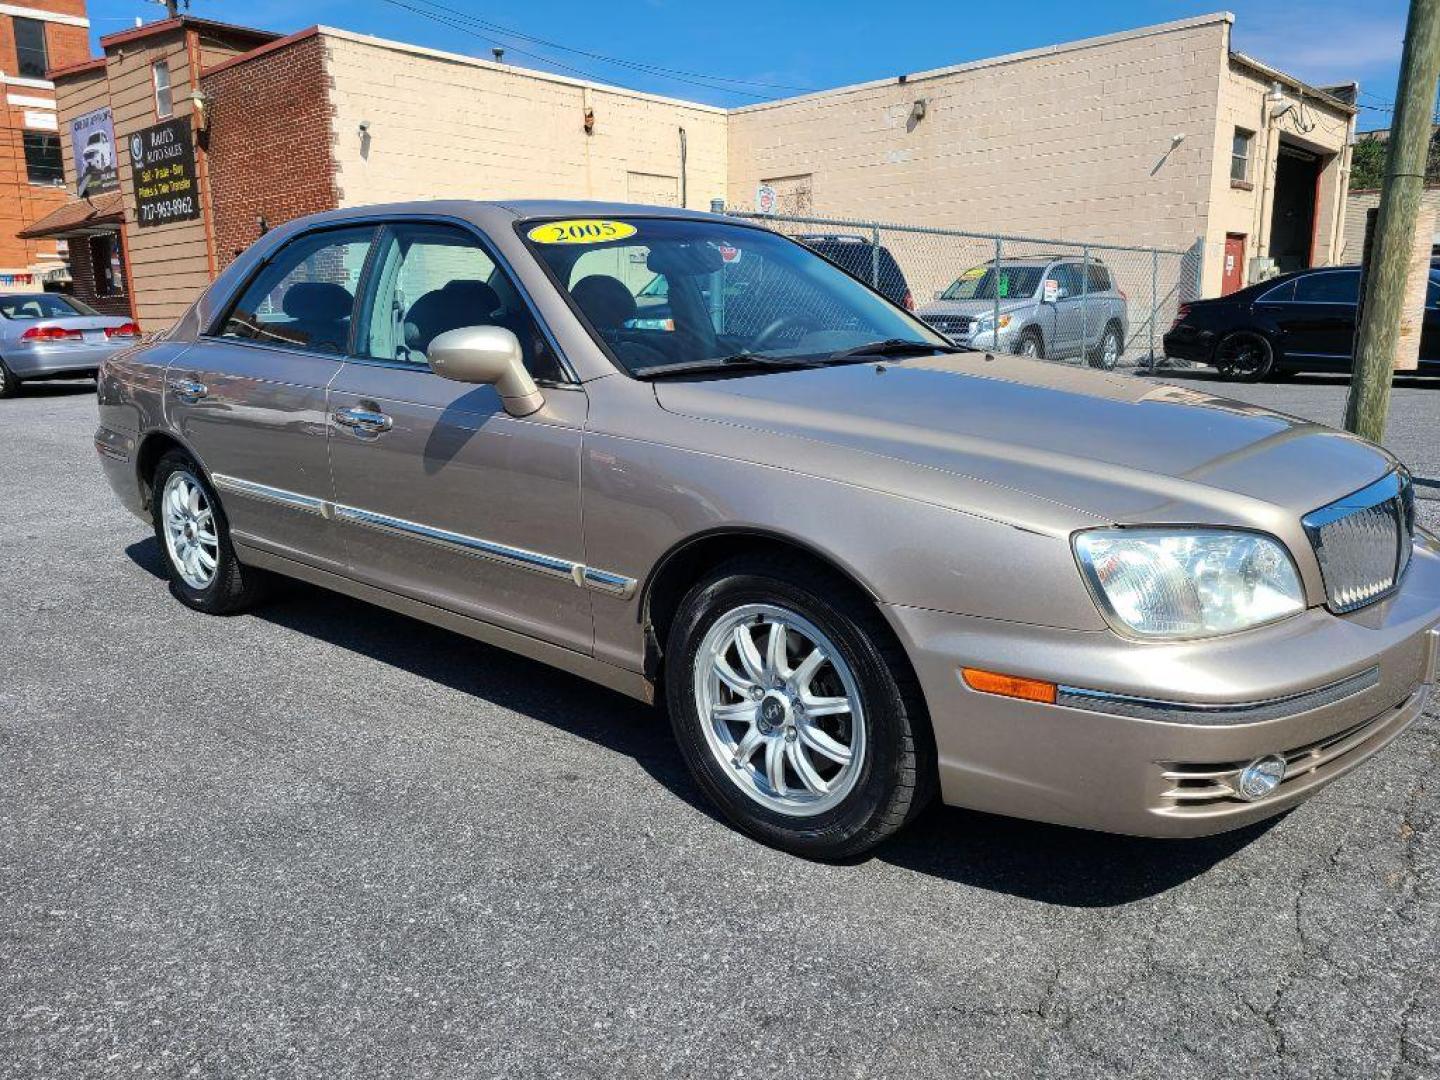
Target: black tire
(1096,359)
(1031,336)
(1244,356)
(896,776)
(9,384)
(234,586)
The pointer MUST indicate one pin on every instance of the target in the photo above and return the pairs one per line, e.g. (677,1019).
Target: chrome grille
(1363,541)
(953,325)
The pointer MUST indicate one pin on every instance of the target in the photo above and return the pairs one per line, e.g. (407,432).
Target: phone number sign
(163,160)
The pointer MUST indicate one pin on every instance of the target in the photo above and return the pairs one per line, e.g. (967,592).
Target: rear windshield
(661,291)
(42,306)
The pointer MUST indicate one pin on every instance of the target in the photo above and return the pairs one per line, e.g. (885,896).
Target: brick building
(35,35)
(1157,136)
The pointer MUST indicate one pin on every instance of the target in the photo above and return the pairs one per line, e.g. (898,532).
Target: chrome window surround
(1217,714)
(587,577)
(1394,496)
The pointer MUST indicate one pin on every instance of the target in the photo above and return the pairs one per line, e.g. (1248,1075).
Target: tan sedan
(860,566)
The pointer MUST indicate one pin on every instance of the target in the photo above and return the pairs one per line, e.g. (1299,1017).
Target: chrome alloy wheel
(1110,350)
(1029,347)
(780,709)
(190,534)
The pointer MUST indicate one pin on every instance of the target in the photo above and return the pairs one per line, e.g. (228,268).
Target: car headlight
(985,323)
(1188,583)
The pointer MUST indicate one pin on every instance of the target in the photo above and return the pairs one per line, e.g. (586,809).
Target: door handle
(188,389)
(363,421)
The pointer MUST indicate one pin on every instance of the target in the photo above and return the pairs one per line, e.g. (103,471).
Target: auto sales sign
(163,159)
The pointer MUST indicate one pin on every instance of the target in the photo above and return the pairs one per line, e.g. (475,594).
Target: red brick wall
(21,202)
(269,142)
(82,270)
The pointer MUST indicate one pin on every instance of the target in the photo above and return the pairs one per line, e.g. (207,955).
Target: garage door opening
(1292,219)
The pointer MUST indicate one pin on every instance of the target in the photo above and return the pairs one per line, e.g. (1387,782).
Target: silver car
(860,565)
(50,336)
(1047,307)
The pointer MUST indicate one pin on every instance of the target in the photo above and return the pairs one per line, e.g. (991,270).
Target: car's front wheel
(195,537)
(795,710)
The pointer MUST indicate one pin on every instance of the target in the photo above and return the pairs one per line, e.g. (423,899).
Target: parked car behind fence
(1147,285)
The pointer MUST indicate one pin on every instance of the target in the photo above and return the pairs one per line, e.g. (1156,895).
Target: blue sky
(778,48)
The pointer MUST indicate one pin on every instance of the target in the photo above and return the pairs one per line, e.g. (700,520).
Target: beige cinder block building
(1160,136)
(1156,136)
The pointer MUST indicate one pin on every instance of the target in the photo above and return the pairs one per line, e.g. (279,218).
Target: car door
(1319,323)
(440,494)
(249,396)
(1430,328)
(1069,308)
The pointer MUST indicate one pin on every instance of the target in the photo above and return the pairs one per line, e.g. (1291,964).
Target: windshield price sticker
(581,231)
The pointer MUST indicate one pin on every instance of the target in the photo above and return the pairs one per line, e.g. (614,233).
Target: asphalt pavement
(326,841)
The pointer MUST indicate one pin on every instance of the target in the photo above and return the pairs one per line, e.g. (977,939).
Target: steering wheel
(784,322)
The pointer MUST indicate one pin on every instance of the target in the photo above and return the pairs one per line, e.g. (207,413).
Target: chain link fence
(1105,305)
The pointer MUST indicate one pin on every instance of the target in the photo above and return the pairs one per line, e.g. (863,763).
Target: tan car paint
(948,488)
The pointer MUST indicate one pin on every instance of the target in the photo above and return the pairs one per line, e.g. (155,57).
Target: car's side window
(428,279)
(1336,287)
(1281,294)
(304,296)
(1099,279)
(1068,275)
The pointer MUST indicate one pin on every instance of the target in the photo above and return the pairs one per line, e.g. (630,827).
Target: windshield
(979,283)
(659,292)
(42,306)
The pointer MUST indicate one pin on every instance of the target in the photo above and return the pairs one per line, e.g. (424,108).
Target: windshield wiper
(898,347)
(741,361)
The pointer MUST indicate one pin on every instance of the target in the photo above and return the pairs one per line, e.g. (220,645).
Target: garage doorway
(1292,215)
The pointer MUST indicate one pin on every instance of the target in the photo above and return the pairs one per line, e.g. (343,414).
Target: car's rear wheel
(1031,344)
(794,709)
(9,384)
(1244,356)
(1107,351)
(195,538)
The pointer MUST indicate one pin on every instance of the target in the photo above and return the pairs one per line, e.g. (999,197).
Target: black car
(1304,321)
(873,264)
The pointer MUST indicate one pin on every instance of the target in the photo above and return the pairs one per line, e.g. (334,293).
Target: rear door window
(304,297)
(1099,279)
(1336,287)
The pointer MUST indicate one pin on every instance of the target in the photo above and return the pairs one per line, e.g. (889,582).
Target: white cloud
(1324,43)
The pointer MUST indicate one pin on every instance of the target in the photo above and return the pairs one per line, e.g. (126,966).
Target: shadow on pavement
(1301,378)
(57,388)
(1047,863)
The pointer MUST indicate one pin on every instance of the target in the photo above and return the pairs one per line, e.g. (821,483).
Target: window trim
(1246,158)
(59,179)
(44,46)
(155,69)
(1317,274)
(212,333)
(378,222)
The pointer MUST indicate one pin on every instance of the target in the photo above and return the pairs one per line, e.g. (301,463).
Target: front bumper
(1123,767)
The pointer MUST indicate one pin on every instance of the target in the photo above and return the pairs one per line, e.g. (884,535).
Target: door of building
(1232,276)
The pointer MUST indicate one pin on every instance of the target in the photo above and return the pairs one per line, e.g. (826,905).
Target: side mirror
(1051,292)
(487,354)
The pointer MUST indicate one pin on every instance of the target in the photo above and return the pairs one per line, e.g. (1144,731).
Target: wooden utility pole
(1404,179)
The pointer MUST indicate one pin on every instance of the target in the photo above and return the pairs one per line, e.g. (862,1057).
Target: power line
(495,35)
(638,65)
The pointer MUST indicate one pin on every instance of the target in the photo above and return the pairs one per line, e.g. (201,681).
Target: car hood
(971,308)
(1109,448)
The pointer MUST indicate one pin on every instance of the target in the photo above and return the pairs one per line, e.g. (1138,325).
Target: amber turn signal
(992,682)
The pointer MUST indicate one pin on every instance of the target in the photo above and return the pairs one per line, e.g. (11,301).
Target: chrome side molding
(1202,713)
(587,577)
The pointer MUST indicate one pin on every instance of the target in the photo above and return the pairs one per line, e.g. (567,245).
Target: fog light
(1260,777)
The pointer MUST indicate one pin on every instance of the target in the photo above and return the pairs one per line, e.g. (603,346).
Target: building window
(42,158)
(30,51)
(164,104)
(107,266)
(1240,156)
